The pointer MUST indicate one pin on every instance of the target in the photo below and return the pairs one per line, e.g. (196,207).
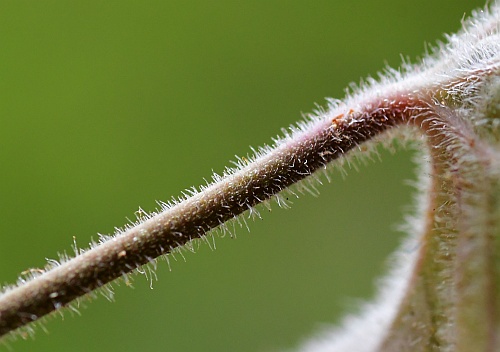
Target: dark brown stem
(295,158)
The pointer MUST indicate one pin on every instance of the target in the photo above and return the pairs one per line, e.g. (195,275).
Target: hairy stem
(452,296)
(289,162)
(450,299)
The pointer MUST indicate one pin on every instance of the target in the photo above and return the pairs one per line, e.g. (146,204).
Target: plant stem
(293,159)
(451,288)
(454,283)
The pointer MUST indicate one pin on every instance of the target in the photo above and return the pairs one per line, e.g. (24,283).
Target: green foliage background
(109,105)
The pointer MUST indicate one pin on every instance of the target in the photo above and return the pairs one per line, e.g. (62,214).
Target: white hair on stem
(451,98)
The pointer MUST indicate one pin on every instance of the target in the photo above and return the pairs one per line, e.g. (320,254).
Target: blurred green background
(109,105)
